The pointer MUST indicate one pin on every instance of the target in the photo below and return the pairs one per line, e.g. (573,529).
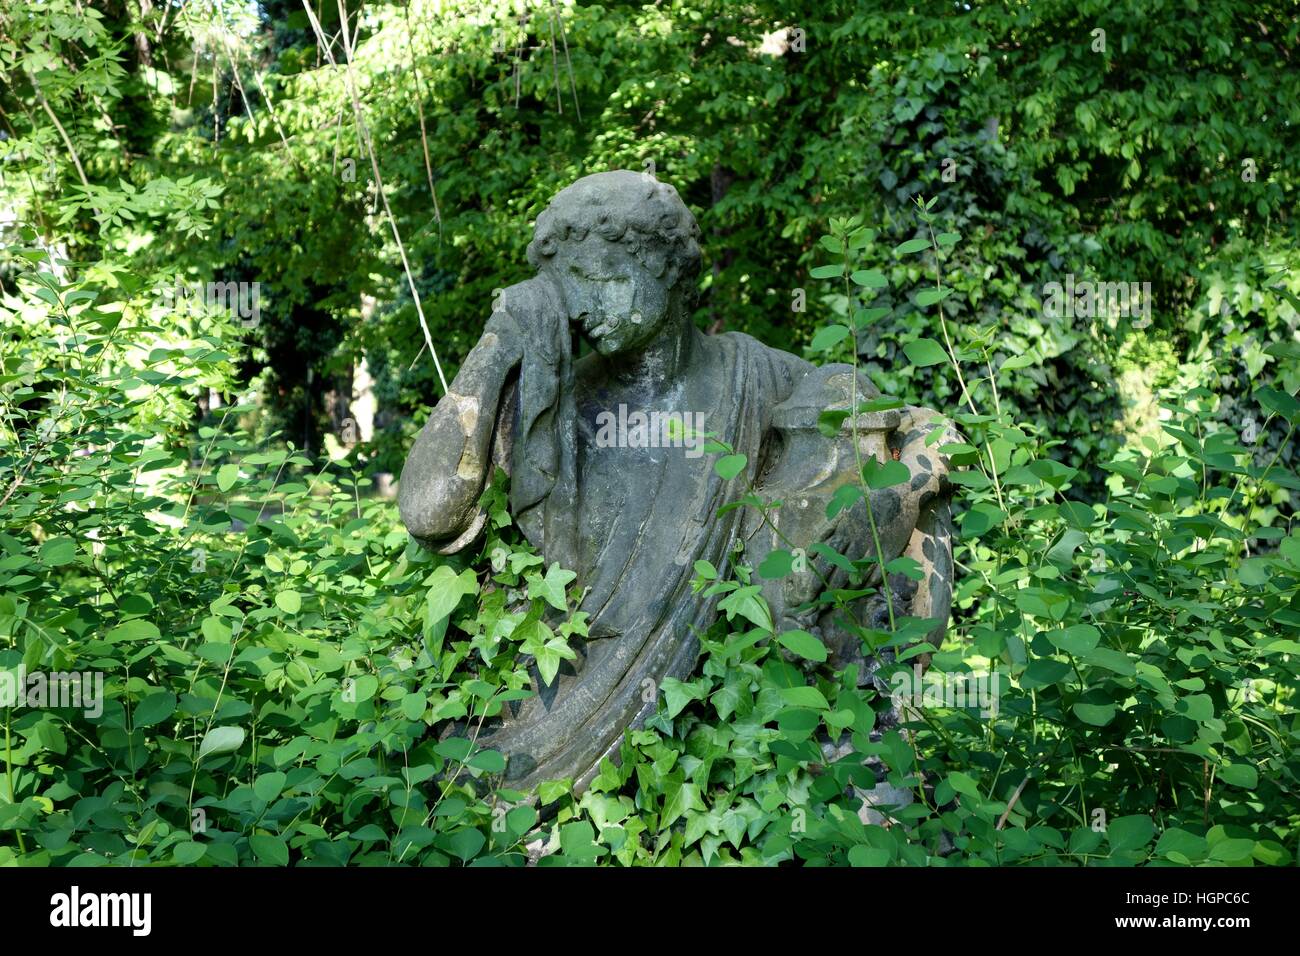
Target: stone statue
(606,481)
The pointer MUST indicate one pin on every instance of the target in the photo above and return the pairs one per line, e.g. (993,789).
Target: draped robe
(631,522)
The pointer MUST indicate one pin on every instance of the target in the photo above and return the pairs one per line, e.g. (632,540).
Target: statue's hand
(528,318)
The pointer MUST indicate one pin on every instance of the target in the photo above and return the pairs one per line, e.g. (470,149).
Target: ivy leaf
(547,649)
(551,588)
(747,603)
(446,588)
(677,694)
(678,799)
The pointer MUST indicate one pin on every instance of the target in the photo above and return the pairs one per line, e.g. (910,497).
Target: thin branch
(67,141)
(364,132)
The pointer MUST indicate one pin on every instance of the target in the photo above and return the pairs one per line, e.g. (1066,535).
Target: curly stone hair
(623,206)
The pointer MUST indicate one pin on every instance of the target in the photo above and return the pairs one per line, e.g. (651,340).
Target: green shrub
(279,664)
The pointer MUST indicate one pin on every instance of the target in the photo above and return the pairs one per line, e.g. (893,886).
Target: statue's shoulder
(752,351)
(827,386)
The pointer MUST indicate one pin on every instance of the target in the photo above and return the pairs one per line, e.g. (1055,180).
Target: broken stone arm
(451,460)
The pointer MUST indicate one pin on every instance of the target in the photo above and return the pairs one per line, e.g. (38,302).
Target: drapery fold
(631,526)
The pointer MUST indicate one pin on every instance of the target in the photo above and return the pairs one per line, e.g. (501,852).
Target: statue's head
(621,247)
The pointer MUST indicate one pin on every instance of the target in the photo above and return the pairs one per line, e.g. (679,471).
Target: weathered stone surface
(630,505)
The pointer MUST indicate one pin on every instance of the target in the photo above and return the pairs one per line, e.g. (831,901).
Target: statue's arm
(451,459)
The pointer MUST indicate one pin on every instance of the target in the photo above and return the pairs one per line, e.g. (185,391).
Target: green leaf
(911,246)
(931,296)
(862,855)
(1099,715)
(551,588)
(886,474)
(845,496)
(1130,833)
(1232,850)
(270,785)
(729,466)
(870,278)
(804,644)
(804,697)
(154,709)
(747,602)
(269,849)
(777,564)
(1077,640)
(227,475)
(548,791)
(288,601)
(488,761)
(827,272)
(413,705)
(829,337)
(1189,845)
(1112,660)
(677,694)
(864,317)
(360,689)
(1043,671)
(58,551)
(1239,775)
(221,740)
(134,630)
(446,588)
(577,842)
(962,783)
(1280,402)
(925,352)
(677,801)
(188,853)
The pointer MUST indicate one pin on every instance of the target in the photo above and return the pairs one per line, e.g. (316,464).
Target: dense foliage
(180,512)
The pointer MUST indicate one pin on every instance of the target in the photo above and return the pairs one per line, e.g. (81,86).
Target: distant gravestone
(608,476)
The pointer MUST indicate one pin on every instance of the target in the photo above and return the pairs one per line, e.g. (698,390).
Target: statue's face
(619,303)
